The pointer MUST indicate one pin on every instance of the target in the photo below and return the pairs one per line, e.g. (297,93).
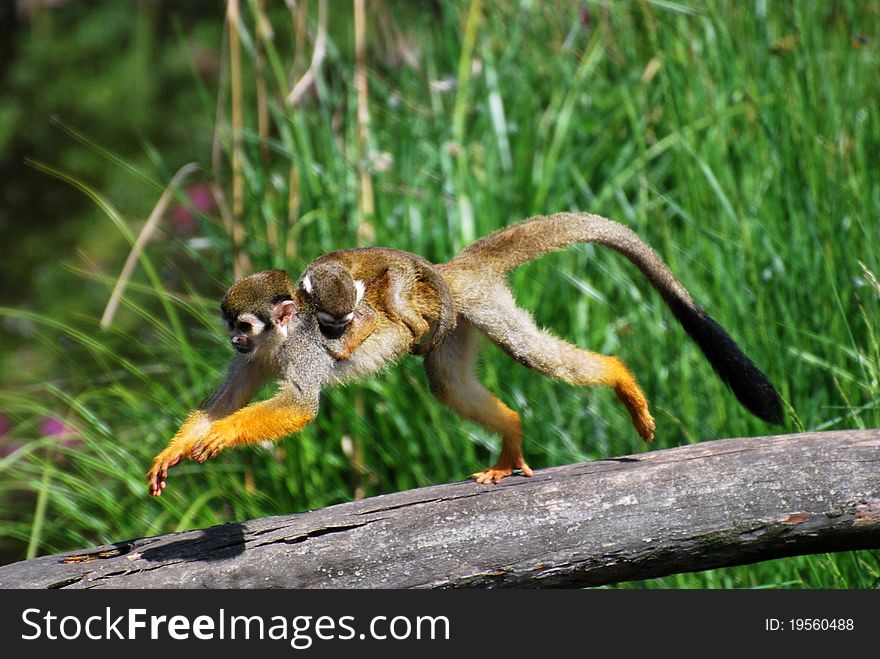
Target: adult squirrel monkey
(353,312)
(277,328)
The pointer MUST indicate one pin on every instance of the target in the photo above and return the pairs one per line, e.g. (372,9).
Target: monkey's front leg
(196,426)
(244,379)
(272,419)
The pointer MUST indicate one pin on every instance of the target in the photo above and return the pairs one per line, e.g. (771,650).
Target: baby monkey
(350,288)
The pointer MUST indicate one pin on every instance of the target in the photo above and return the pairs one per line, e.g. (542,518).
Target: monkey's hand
(178,448)
(159,471)
(364,324)
(269,420)
(339,355)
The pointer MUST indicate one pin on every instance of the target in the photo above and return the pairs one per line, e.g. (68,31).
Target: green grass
(748,159)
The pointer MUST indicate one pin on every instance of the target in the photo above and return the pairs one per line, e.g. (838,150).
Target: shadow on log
(713,504)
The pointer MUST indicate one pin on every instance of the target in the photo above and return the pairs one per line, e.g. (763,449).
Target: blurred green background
(739,138)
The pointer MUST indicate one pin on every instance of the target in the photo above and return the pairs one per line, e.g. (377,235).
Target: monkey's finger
(159,473)
(202,451)
(196,451)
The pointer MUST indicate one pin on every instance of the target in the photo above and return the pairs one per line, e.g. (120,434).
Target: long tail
(507,248)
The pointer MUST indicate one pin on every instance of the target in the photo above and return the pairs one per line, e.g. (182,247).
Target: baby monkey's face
(335,295)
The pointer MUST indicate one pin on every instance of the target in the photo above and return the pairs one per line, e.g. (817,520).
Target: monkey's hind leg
(451,376)
(514,330)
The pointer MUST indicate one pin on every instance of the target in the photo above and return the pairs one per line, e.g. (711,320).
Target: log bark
(713,504)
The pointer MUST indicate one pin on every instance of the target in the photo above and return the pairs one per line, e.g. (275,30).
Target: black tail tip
(751,387)
(748,383)
(761,398)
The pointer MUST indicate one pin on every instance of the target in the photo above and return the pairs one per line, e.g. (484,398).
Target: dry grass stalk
(143,238)
(264,34)
(239,262)
(318,54)
(366,233)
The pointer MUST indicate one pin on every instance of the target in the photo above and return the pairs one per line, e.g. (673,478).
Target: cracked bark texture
(713,504)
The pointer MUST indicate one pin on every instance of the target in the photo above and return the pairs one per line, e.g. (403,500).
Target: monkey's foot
(494,474)
(159,471)
(644,423)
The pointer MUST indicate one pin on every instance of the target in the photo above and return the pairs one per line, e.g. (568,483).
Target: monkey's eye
(243,327)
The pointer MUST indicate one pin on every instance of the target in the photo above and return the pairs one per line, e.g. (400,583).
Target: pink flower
(53,427)
(201,199)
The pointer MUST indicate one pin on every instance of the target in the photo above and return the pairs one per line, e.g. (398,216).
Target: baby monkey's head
(335,294)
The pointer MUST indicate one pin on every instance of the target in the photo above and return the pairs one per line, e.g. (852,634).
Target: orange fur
(492,310)
(177,450)
(450,375)
(508,424)
(618,377)
(269,420)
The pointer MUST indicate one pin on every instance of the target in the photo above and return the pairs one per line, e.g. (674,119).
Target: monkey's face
(246,332)
(258,308)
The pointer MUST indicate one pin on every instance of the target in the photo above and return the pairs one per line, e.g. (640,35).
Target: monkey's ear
(283,312)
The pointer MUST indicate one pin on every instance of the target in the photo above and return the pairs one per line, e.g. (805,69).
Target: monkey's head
(335,294)
(257,307)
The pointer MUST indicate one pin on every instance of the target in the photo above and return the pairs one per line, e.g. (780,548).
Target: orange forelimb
(268,420)
(201,439)
(196,425)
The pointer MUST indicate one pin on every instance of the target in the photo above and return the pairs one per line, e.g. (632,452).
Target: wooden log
(713,504)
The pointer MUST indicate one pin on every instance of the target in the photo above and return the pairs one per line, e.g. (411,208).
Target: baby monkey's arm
(400,301)
(361,326)
(389,293)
